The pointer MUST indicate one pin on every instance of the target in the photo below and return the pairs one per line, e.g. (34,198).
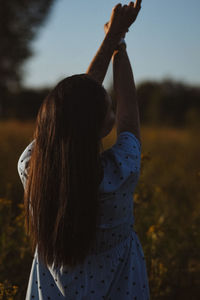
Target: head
(65,170)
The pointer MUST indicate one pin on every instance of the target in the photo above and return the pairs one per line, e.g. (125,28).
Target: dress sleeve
(22,165)
(121,162)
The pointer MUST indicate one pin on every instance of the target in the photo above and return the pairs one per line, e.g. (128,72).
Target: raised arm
(121,18)
(99,64)
(127,112)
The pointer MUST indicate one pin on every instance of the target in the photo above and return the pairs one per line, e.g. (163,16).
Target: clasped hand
(122,17)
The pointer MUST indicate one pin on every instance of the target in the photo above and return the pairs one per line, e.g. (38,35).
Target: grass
(166,209)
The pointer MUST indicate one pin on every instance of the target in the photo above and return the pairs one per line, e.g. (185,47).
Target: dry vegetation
(166,203)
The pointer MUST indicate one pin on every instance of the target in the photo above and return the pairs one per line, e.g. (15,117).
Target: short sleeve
(23,162)
(121,162)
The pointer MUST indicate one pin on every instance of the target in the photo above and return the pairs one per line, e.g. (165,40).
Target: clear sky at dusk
(164,42)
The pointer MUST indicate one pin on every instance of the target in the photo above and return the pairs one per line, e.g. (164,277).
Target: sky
(163,43)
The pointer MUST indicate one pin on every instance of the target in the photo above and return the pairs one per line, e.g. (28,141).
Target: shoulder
(128,142)
(121,162)
(22,164)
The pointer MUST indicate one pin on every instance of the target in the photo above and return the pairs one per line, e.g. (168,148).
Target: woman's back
(65,185)
(116,267)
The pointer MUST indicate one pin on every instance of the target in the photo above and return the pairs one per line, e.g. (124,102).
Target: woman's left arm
(121,19)
(116,29)
(99,65)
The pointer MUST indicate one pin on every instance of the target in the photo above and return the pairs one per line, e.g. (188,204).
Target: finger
(116,7)
(125,8)
(138,4)
(131,4)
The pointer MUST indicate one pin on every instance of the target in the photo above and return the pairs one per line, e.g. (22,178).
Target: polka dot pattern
(115,268)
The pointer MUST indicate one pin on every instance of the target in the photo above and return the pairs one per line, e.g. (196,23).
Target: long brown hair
(61,195)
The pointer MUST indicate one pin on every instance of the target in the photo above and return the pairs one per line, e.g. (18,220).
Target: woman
(79,202)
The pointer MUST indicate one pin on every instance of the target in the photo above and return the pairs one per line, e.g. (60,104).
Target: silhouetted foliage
(167,103)
(19,22)
(25,104)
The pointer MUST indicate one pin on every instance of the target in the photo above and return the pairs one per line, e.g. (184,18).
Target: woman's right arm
(99,64)
(127,112)
(121,19)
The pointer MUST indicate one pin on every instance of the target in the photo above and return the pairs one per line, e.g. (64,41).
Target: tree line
(167,103)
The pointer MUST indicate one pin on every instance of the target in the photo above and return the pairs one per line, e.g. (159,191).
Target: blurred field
(167,211)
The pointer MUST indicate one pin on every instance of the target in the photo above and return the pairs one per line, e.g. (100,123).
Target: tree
(19,23)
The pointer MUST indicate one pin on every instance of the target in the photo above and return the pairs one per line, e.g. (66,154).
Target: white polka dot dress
(116,268)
